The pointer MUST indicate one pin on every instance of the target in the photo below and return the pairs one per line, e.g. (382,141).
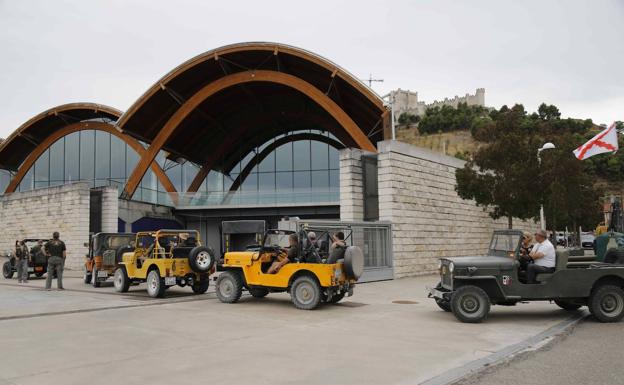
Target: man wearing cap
(543,257)
(56,252)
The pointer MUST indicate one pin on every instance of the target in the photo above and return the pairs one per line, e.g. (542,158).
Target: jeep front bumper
(436,293)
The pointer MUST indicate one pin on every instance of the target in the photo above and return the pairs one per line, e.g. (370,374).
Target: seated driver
(292,252)
(543,257)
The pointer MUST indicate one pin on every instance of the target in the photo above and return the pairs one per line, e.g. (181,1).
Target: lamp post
(546,146)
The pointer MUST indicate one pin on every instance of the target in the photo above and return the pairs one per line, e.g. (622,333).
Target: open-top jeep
(469,285)
(309,279)
(166,258)
(105,252)
(37,265)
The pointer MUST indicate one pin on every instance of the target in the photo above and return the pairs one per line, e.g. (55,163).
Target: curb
(471,368)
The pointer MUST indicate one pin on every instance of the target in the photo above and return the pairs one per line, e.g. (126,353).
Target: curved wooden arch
(276,48)
(81,126)
(343,119)
(55,111)
(268,149)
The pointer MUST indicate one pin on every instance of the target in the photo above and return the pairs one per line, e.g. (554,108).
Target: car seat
(561,263)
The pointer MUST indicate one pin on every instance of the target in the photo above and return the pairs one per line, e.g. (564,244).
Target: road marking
(474,367)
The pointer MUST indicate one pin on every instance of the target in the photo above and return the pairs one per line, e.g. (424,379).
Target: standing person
(22,256)
(56,252)
(543,255)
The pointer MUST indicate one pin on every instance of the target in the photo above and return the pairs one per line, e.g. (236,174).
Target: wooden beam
(294,82)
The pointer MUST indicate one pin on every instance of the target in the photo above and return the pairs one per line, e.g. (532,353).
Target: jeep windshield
(504,244)
(277,238)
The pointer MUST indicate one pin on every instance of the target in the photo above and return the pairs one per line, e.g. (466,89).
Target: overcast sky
(567,53)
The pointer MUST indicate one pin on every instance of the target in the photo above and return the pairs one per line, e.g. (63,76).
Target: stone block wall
(351,185)
(429,220)
(110,209)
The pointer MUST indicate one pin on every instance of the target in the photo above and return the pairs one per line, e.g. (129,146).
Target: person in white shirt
(543,256)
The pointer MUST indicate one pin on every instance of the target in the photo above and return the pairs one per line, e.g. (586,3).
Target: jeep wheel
(201,286)
(258,292)
(470,304)
(7,270)
(39,274)
(94,277)
(305,293)
(229,287)
(121,280)
(567,305)
(155,284)
(442,304)
(201,259)
(86,277)
(606,303)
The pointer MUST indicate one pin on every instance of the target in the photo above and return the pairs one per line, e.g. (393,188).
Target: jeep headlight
(451,267)
(337,274)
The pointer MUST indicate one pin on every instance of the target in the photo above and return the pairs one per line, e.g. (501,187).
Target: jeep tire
(155,284)
(305,293)
(201,259)
(86,278)
(470,304)
(121,280)
(229,286)
(201,286)
(7,270)
(39,274)
(353,262)
(94,277)
(258,292)
(444,305)
(567,305)
(606,303)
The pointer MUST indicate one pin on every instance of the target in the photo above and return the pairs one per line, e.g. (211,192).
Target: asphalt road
(590,354)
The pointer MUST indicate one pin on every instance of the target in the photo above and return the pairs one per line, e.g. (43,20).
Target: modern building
(246,131)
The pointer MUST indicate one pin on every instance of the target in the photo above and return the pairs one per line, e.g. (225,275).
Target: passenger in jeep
(543,256)
(292,252)
(337,248)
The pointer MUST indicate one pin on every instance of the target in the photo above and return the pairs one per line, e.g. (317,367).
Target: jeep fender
(488,283)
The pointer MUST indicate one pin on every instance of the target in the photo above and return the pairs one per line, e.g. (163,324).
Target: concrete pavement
(93,335)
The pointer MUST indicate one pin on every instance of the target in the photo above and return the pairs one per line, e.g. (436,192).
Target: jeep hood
(482,261)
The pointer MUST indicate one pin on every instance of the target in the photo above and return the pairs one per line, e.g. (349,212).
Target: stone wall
(429,220)
(38,213)
(351,185)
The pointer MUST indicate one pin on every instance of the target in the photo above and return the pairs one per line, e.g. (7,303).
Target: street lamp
(546,146)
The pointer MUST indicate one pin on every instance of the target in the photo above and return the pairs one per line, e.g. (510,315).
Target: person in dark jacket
(22,257)
(56,252)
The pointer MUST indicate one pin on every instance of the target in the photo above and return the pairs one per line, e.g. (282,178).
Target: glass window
(320,156)
(189,170)
(103,157)
(42,170)
(5,179)
(301,180)
(301,155)
(87,155)
(334,158)
(175,174)
(118,159)
(266,181)
(250,183)
(132,158)
(149,187)
(267,164)
(334,179)
(57,162)
(215,181)
(28,180)
(283,157)
(320,180)
(72,157)
(283,180)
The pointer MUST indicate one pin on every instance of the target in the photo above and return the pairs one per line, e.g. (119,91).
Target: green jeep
(469,285)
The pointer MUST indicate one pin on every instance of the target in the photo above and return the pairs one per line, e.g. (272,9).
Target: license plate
(102,274)
(170,281)
(31,269)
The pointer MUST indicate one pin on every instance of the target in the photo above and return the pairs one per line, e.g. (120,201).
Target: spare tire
(201,259)
(121,251)
(353,262)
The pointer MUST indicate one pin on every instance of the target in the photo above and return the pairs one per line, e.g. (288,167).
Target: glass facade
(298,171)
(92,156)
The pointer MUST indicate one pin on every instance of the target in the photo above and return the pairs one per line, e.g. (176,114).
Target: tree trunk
(510,222)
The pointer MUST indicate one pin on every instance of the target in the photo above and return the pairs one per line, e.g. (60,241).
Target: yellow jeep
(308,278)
(166,258)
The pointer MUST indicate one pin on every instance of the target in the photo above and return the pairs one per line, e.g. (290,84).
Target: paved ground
(97,336)
(591,354)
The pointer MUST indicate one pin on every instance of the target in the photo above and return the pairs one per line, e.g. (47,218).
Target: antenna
(370,80)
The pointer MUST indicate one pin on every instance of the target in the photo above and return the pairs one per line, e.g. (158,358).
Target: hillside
(454,143)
